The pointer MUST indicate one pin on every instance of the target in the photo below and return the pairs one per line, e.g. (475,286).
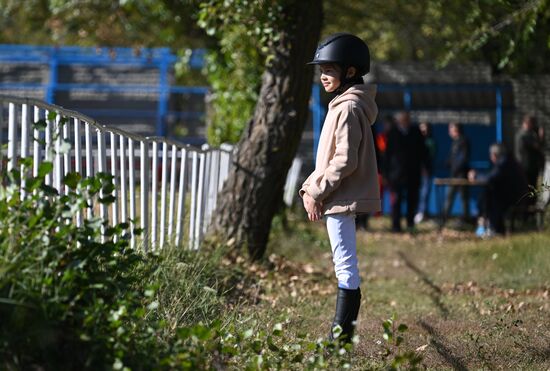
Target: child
(344,182)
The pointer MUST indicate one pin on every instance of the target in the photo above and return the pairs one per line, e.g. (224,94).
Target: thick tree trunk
(252,193)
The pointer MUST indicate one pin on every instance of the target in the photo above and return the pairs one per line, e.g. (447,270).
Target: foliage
(133,23)
(393,336)
(511,36)
(67,299)
(245,31)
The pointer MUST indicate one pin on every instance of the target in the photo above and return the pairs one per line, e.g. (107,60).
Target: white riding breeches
(341,232)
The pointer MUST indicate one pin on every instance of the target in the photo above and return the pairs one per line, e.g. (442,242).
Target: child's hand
(314,209)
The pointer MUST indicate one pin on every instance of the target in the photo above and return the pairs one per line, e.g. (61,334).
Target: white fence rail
(176,185)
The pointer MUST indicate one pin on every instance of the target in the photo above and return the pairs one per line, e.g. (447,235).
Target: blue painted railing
(158,58)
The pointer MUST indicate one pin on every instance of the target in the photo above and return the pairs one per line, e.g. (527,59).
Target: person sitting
(506,187)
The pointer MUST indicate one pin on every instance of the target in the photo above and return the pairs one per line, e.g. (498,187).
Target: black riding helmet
(345,50)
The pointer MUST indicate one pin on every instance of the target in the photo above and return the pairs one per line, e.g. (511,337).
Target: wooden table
(458,182)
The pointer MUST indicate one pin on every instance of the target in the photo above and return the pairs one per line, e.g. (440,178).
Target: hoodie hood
(363,95)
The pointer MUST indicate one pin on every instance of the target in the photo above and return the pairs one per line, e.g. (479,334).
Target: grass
(468,303)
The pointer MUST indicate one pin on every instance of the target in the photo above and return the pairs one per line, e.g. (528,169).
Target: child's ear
(352,71)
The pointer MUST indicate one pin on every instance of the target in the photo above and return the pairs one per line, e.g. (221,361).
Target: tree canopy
(135,23)
(512,36)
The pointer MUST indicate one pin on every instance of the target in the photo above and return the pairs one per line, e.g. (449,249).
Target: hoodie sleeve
(347,138)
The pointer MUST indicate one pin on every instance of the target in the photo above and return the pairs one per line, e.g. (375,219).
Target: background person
(380,142)
(427,171)
(528,150)
(458,162)
(506,186)
(406,155)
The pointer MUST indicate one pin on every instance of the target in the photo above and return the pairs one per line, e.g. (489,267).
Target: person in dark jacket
(427,173)
(506,187)
(458,162)
(528,148)
(406,155)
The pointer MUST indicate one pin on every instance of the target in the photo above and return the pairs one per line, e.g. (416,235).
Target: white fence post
(164,180)
(48,148)
(57,167)
(77,158)
(154,195)
(193,214)
(36,144)
(89,163)
(11,137)
(114,173)
(123,181)
(101,168)
(144,198)
(67,154)
(132,183)
(172,204)
(24,144)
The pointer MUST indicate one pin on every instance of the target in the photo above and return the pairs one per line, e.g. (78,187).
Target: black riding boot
(347,309)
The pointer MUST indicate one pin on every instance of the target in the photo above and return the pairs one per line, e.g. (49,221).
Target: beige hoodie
(345,178)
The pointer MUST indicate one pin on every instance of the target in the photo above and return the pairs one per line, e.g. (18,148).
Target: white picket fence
(170,176)
(175,176)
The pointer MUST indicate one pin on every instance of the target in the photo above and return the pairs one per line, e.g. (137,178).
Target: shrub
(67,299)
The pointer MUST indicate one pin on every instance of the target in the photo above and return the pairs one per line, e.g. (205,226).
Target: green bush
(67,299)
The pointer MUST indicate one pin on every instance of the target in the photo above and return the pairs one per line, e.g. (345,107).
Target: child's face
(330,77)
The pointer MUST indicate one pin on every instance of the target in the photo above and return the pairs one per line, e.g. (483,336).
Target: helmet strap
(346,82)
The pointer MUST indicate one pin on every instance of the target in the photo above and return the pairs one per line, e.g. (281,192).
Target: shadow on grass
(438,343)
(542,354)
(435,291)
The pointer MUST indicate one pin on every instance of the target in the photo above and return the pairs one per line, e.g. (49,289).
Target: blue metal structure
(55,56)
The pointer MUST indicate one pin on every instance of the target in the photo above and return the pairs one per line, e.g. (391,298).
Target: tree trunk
(251,194)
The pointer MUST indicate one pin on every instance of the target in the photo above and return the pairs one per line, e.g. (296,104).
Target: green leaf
(277,329)
(398,340)
(52,115)
(44,168)
(72,179)
(40,125)
(109,199)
